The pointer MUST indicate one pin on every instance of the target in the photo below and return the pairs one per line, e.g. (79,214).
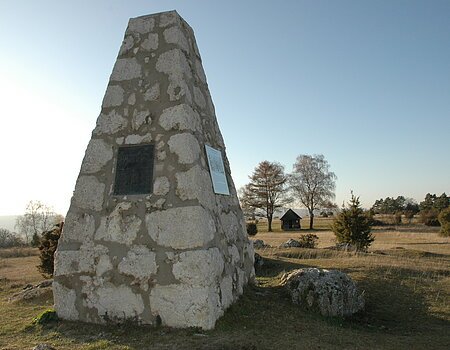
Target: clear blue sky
(365,83)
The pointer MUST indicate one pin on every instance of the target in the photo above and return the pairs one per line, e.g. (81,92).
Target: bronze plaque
(134,170)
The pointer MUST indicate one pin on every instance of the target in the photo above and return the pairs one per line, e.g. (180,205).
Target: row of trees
(393,205)
(402,204)
(311,183)
(428,209)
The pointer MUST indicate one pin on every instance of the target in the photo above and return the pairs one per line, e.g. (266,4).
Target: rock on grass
(328,292)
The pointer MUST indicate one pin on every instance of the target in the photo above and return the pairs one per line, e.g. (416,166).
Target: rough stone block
(179,305)
(78,261)
(80,226)
(140,118)
(151,43)
(65,299)
(113,96)
(199,267)
(112,303)
(174,35)
(185,146)
(195,184)
(98,153)
(141,25)
(161,186)
(119,227)
(111,123)
(126,69)
(152,93)
(89,193)
(140,263)
(180,117)
(181,228)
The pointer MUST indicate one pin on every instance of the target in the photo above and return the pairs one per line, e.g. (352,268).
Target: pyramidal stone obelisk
(154,233)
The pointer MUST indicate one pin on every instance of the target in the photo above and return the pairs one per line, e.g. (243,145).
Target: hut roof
(290,215)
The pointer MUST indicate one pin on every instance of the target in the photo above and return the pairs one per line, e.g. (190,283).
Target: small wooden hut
(290,221)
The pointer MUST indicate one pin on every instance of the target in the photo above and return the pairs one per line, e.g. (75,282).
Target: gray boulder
(31,292)
(291,243)
(258,244)
(328,292)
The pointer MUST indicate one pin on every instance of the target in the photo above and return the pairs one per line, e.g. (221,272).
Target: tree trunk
(311,220)
(269,222)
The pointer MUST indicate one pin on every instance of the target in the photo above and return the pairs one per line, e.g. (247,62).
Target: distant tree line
(428,210)
(394,205)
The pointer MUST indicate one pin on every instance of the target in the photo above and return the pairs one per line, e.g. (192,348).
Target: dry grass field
(405,278)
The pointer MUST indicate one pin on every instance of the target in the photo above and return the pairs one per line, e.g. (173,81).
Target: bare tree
(9,239)
(267,190)
(38,218)
(313,183)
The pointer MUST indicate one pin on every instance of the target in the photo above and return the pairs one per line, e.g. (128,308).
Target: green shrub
(308,241)
(352,226)
(429,217)
(47,247)
(46,317)
(444,219)
(252,229)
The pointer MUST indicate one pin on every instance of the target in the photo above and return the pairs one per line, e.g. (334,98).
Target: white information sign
(217,170)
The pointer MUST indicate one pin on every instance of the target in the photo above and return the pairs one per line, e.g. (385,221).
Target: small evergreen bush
(352,226)
(47,247)
(444,219)
(252,229)
(308,241)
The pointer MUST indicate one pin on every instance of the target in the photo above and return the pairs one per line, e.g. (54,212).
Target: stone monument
(154,233)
